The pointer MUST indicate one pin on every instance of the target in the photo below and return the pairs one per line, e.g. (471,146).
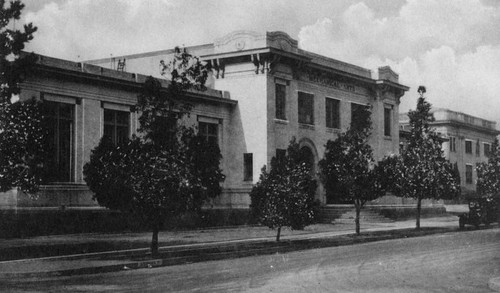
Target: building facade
(467,141)
(263,91)
(285,92)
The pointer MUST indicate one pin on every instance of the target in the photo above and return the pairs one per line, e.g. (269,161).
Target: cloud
(450,46)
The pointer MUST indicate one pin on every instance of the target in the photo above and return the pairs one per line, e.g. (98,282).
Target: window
(387,121)
(478,148)
(280,101)
(453,146)
(116,125)
(468,174)
(306,108)
(248,167)
(487,149)
(210,131)
(59,119)
(358,112)
(468,147)
(332,107)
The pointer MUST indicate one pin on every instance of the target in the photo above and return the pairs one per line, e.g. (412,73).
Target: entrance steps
(346,214)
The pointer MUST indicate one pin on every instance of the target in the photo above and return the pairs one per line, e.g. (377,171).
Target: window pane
(468,147)
(306,108)
(59,124)
(210,131)
(116,125)
(122,118)
(248,167)
(332,107)
(280,101)
(387,122)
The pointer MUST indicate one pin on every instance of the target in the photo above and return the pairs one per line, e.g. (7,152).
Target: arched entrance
(310,156)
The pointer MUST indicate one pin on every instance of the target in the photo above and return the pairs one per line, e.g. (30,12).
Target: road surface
(453,262)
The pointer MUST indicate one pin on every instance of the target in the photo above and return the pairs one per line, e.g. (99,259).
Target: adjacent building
(263,91)
(467,141)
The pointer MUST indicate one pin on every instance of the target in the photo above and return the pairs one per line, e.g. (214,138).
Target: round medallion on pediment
(239,44)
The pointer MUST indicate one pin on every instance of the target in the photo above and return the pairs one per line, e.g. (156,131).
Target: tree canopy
(422,171)
(22,136)
(284,195)
(348,168)
(168,169)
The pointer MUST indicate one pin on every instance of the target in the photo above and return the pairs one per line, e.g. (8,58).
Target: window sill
(306,126)
(387,137)
(332,130)
(280,121)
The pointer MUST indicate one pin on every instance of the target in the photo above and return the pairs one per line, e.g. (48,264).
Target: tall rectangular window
(116,125)
(332,107)
(468,147)
(478,148)
(306,108)
(453,146)
(280,96)
(487,149)
(357,111)
(387,121)
(248,167)
(60,120)
(210,131)
(468,174)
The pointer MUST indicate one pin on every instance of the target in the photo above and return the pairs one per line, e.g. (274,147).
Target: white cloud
(452,47)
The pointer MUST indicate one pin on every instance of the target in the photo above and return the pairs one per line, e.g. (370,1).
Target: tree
(168,170)
(422,171)
(488,176)
(284,196)
(348,167)
(21,125)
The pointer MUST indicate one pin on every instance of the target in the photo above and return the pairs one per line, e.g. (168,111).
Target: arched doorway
(310,156)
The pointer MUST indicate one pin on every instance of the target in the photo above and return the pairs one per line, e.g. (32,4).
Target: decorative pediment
(246,40)
(240,40)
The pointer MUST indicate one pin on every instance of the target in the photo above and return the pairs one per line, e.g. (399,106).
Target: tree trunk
(154,240)
(278,235)
(358,212)
(419,207)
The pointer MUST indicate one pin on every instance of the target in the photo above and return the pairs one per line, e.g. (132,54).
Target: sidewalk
(179,246)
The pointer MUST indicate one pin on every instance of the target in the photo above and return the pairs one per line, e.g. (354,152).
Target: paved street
(453,262)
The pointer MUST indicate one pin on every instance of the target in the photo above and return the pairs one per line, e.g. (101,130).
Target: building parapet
(91,71)
(448,115)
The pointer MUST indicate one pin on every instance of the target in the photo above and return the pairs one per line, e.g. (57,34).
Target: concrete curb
(214,251)
(494,284)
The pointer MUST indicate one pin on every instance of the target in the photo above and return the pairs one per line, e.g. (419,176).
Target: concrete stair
(346,214)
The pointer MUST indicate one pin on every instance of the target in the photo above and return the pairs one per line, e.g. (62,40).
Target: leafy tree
(488,176)
(284,196)
(21,130)
(348,167)
(422,171)
(168,170)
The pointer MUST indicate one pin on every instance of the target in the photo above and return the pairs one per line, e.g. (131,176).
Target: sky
(450,46)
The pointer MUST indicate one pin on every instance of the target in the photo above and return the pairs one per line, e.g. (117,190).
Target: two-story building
(284,92)
(263,91)
(467,141)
